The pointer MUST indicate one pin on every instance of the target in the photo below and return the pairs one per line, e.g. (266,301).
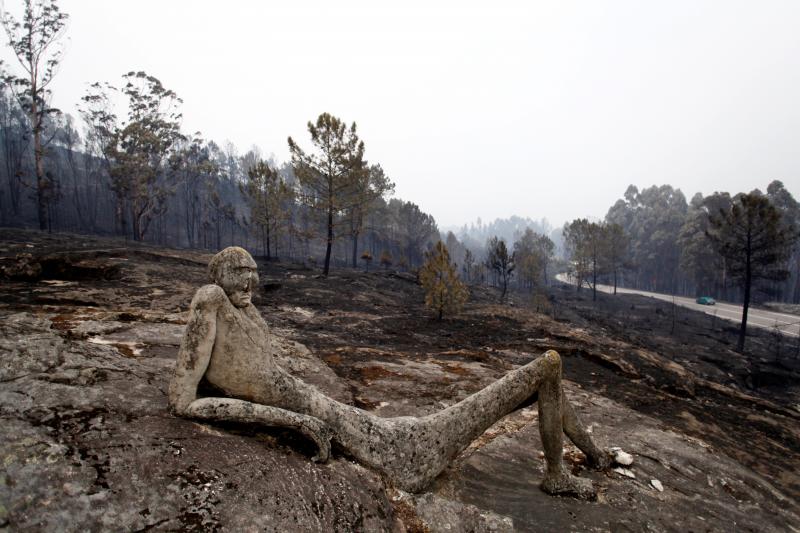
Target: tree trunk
(119,216)
(594,280)
(41,180)
(748,279)
(327,266)
(355,249)
(268,246)
(136,226)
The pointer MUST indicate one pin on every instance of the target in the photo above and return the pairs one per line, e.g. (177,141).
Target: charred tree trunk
(748,279)
(329,246)
(355,250)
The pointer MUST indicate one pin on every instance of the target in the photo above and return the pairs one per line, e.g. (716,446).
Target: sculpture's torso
(241,361)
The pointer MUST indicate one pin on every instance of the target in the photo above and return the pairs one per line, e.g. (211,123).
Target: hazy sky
(539,109)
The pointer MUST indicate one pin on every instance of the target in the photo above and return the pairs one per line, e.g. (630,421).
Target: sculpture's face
(238,276)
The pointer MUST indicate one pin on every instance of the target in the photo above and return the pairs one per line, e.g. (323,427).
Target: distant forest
(141,178)
(127,169)
(672,247)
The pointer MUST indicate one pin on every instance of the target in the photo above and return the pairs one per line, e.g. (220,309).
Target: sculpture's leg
(413,451)
(551,410)
(231,410)
(576,432)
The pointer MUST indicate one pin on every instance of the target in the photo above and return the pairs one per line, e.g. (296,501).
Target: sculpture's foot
(599,460)
(565,484)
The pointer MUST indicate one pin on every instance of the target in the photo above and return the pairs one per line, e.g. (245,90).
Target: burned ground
(719,428)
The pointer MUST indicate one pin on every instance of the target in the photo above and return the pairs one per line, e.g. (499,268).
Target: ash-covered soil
(89,329)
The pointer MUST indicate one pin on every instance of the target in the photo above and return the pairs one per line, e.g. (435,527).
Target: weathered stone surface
(86,443)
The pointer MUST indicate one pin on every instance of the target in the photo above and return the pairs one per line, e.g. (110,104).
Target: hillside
(89,329)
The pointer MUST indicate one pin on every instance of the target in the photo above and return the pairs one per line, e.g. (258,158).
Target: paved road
(788,324)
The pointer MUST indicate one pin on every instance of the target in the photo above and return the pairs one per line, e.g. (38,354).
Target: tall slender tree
(139,149)
(329,175)
(501,262)
(755,242)
(35,41)
(615,250)
(13,147)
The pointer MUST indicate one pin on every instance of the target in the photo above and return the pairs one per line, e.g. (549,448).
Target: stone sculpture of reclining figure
(227,342)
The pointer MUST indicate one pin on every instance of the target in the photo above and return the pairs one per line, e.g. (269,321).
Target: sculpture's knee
(552,363)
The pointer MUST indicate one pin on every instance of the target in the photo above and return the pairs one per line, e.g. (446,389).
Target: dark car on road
(705,300)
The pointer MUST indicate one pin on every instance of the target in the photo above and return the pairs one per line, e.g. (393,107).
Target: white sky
(478,109)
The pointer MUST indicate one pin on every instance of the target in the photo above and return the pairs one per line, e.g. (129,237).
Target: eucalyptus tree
(329,174)
(652,218)
(34,38)
(699,262)
(14,144)
(587,244)
(789,208)
(83,203)
(138,149)
(615,250)
(533,253)
(195,171)
(577,247)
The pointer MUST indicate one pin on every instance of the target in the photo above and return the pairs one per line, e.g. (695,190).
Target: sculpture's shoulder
(209,297)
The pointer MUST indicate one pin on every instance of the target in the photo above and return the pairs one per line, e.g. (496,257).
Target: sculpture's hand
(231,410)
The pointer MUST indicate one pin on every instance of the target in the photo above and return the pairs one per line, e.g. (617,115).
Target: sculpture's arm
(231,410)
(196,346)
(193,358)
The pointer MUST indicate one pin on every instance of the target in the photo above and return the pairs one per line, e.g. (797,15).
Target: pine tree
(755,242)
(330,173)
(444,291)
(499,261)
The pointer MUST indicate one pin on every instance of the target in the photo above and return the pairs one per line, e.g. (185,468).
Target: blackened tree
(499,261)
(34,40)
(755,242)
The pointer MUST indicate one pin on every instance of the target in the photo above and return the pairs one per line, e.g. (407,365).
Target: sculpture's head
(234,270)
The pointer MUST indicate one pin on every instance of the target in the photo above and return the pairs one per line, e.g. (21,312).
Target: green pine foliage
(756,243)
(444,291)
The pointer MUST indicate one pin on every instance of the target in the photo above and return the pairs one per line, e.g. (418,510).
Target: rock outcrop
(87,443)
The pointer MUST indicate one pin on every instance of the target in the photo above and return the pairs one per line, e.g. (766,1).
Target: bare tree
(34,40)
(500,262)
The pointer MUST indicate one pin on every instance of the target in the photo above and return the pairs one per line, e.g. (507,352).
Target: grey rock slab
(499,476)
